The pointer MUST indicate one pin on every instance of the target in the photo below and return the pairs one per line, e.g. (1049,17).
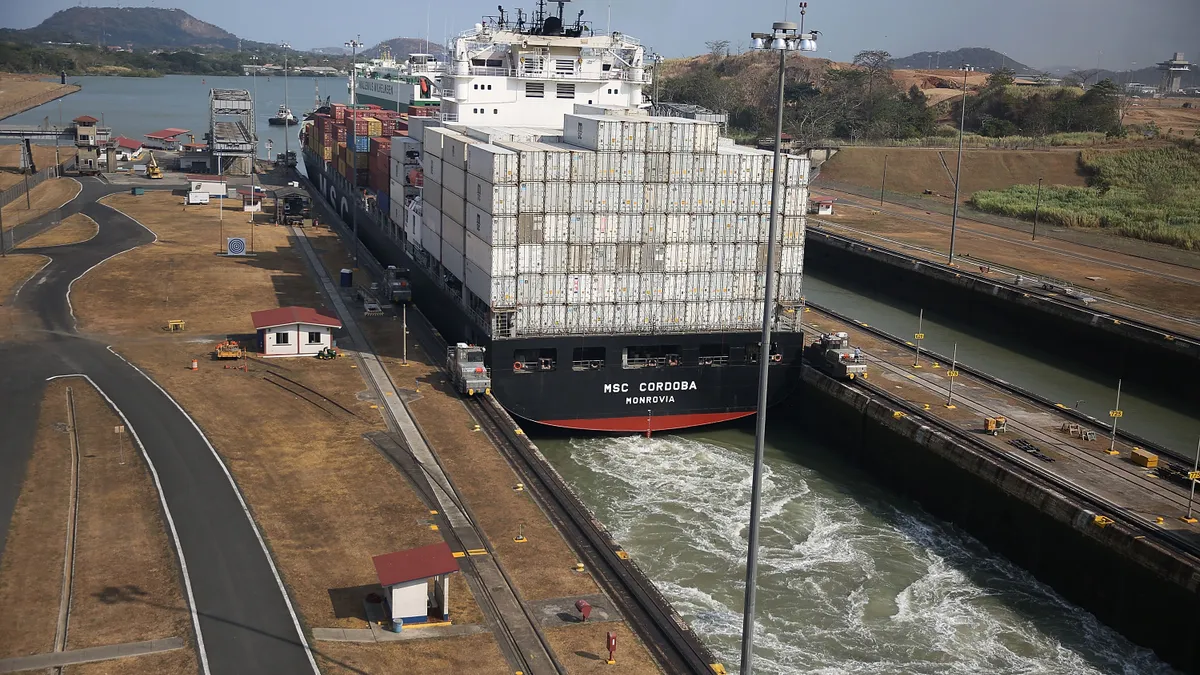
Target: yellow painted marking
(1059,405)
(622,555)
(1116,413)
(863,324)
(717,668)
(909,343)
(919,336)
(1169,337)
(428,624)
(1194,475)
(387,393)
(951,373)
(910,376)
(899,413)
(434,528)
(1102,521)
(374,407)
(477,551)
(459,554)
(1117,322)
(433,512)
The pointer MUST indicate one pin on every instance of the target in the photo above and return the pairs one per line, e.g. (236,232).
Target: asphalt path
(245,622)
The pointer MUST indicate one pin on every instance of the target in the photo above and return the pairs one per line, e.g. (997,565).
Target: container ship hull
(596,392)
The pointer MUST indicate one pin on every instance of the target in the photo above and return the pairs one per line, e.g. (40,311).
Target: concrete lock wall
(1141,589)
(1078,336)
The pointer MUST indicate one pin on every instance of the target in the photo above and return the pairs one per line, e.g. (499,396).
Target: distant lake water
(136,106)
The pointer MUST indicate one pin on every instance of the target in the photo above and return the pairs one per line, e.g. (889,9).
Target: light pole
(1037,207)
(962,126)
(1192,478)
(287,162)
(1114,414)
(784,37)
(353,45)
(254,79)
(883,186)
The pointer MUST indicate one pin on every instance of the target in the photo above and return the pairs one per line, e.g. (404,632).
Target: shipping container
(454,179)
(650,286)
(604,288)
(631,198)
(648,315)
(583,166)
(452,258)
(453,232)
(492,163)
(558,162)
(793,230)
(697,315)
(608,167)
(454,150)
(554,289)
(682,164)
(604,258)
(704,169)
(683,135)
(707,138)
(530,258)
(431,194)
(432,243)
(678,228)
(795,201)
(797,170)
(531,161)
(583,197)
(654,228)
(629,258)
(498,200)
(654,199)
(679,198)
(720,286)
(723,257)
(658,167)
(405,149)
(633,167)
(554,319)
(594,132)
(531,197)
(633,134)
(529,317)
(453,206)
(556,228)
(581,228)
(579,258)
(605,229)
(554,259)
(579,289)
(704,229)
(704,197)
(791,259)
(431,165)
(626,288)
(558,196)
(658,135)
(608,197)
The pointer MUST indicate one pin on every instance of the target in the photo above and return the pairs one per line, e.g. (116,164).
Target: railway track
(665,634)
(1042,294)
(308,394)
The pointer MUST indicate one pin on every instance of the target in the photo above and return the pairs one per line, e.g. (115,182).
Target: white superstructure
(395,84)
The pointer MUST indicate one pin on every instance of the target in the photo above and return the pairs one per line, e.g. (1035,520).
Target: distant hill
(981,58)
(331,51)
(401,47)
(138,26)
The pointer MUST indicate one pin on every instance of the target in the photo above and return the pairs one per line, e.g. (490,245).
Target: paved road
(245,622)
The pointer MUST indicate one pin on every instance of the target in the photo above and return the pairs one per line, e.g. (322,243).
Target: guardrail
(16,191)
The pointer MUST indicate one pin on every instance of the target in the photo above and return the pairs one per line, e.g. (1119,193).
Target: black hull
(598,394)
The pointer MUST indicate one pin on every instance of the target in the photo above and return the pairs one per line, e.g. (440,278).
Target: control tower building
(1172,73)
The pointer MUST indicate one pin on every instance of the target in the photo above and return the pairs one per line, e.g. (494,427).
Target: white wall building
(416,583)
(213,185)
(293,331)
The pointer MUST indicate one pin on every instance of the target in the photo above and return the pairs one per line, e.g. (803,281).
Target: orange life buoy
(517,365)
(776,357)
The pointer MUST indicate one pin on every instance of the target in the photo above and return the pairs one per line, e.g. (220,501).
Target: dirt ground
(74,229)
(914,170)
(325,499)
(469,655)
(177,661)
(544,566)
(44,198)
(581,648)
(32,566)
(1169,114)
(127,584)
(43,156)
(19,93)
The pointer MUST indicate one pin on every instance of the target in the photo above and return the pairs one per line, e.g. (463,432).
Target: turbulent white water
(850,581)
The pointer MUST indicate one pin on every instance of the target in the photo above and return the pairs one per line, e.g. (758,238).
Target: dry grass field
(1169,114)
(10,161)
(43,198)
(72,230)
(15,269)
(470,655)
(22,92)
(581,648)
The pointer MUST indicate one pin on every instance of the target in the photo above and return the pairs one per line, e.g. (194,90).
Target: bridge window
(653,356)
(535,360)
(587,358)
(535,90)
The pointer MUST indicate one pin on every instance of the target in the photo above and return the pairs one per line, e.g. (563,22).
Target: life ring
(595,365)
(777,357)
(673,361)
(517,365)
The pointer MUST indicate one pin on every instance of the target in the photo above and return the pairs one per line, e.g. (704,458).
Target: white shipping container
(720,286)
(747,285)
(629,228)
(579,289)
(746,314)
(729,166)
(682,164)
(579,259)
(631,198)
(649,315)
(478,252)
(431,219)
(683,135)
(529,318)
(677,258)
(454,179)
(658,167)
(633,167)
(402,146)
(650,287)
(791,288)
(531,198)
(604,288)
(554,289)
(707,135)
(704,169)
(454,150)
(558,197)
(793,229)
(604,258)
(704,197)
(554,319)
(583,166)
(704,229)
(724,228)
(554,259)
(498,200)
(431,138)
(673,314)
(679,198)
(603,318)
(698,286)
(453,206)
(529,289)
(453,232)
(626,288)
(396,195)
(432,243)
(608,197)
(678,228)
(432,193)
(608,167)
(791,258)
(558,163)
(724,257)
(578,319)
(697,315)
(531,161)
(453,259)
(594,132)
(654,228)
(480,223)
(795,201)
(556,228)
(583,197)
(658,135)
(431,166)
(529,259)
(720,315)
(726,199)
(494,164)
(633,134)
(750,198)
(581,228)
(675,286)
(606,225)
(797,170)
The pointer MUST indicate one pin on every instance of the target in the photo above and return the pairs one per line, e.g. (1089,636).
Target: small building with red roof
(416,583)
(819,205)
(293,331)
(127,148)
(166,139)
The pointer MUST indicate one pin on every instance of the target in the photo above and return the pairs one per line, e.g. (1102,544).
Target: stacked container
(629,224)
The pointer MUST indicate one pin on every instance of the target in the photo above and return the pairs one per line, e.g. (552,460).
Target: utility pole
(1037,207)
(354,45)
(918,336)
(1193,476)
(1115,414)
(287,162)
(952,374)
(883,186)
(962,126)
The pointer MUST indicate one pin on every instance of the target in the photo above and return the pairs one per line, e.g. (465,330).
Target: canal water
(854,579)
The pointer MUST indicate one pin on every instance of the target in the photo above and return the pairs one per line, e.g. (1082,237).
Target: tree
(718,48)
(876,62)
(1000,78)
(1080,78)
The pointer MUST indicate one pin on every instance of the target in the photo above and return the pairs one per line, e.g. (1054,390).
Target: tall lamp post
(254,80)
(1037,206)
(353,46)
(783,38)
(883,185)
(287,161)
(962,125)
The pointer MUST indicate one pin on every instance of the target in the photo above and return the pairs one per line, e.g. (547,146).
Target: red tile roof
(165,134)
(129,143)
(269,318)
(85,119)
(414,564)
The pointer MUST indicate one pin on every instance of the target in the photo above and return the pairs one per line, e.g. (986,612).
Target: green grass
(1150,194)
(947,137)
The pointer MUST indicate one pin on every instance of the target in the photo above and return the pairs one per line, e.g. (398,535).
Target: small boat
(283,118)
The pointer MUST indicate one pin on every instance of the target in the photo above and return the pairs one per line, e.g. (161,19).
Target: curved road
(245,623)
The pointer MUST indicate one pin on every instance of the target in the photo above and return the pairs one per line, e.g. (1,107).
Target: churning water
(852,579)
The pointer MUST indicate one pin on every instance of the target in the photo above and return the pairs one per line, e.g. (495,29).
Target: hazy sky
(1041,33)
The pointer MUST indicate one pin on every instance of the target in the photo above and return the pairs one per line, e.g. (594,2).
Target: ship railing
(550,74)
(714,360)
(448,116)
(587,364)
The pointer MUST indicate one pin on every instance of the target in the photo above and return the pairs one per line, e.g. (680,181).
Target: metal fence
(18,190)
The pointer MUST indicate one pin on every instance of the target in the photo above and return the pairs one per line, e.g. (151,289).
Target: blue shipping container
(362,144)
(384,201)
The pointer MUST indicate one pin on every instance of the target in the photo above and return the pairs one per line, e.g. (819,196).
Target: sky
(1112,34)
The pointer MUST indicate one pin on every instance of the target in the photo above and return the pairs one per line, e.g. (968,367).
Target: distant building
(293,331)
(166,139)
(214,185)
(127,149)
(821,206)
(417,583)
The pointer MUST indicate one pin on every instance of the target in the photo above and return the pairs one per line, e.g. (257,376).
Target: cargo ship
(613,262)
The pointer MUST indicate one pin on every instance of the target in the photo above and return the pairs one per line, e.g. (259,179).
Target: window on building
(489,87)
(495,111)
(314,337)
(566,90)
(535,90)
(282,338)
(495,63)
(474,86)
(478,62)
